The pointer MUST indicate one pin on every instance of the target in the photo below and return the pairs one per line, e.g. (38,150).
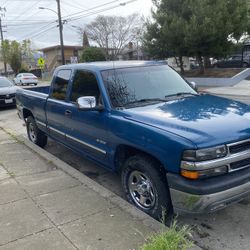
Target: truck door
(88,129)
(57,104)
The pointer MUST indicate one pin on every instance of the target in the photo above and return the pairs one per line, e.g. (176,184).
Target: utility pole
(3,10)
(60,30)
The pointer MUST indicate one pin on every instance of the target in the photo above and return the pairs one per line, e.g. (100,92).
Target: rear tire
(146,187)
(245,65)
(35,135)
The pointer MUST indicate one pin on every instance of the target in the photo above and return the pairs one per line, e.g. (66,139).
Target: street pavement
(46,204)
(225,229)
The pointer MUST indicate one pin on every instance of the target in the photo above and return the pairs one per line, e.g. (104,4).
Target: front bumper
(208,195)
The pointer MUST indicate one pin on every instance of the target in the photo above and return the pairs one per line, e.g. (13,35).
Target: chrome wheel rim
(32,132)
(141,190)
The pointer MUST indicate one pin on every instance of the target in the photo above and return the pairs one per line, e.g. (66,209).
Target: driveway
(225,229)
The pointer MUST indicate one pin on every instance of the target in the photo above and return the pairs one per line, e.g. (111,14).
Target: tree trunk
(207,62)
(181,65)
(201,65)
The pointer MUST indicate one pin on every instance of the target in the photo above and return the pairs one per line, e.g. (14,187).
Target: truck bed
(33,99)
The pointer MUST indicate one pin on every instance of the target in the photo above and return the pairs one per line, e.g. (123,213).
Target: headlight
(205,154)
(194,165)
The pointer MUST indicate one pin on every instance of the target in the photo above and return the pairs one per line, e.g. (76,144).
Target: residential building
(52,55)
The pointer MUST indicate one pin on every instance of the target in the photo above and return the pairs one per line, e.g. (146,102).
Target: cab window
(61,81)
(84,84)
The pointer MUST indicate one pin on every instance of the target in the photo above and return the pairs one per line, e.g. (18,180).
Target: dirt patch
(214,72)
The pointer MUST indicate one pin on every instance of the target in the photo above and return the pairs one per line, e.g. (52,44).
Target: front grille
(239,147)
(240,164)
(7,96)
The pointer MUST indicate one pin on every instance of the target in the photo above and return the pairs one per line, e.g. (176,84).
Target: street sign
(73,59)
(41,62)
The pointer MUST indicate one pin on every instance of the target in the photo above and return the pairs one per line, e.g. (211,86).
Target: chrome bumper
(190,203)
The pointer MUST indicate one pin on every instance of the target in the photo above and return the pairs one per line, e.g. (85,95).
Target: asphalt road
(225,229)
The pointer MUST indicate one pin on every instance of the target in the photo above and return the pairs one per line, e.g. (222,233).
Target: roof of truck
(99,66)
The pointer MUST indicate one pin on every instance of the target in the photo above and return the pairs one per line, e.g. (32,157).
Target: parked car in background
(234,61)
(25,79)
(7,92)
(193,63)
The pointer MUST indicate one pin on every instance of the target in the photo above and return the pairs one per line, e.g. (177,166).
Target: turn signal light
(194,175)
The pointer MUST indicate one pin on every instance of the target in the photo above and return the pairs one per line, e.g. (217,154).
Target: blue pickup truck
(173,147)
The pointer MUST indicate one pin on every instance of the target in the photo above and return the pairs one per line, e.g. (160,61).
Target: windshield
(144,84)
(4,82)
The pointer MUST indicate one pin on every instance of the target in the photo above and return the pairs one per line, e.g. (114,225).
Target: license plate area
(7,101)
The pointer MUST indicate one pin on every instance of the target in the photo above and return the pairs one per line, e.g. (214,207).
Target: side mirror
(88,103)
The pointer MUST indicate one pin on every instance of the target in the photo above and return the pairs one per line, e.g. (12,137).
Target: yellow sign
(41,62)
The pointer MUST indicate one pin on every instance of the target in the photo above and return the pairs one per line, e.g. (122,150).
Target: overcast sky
(24,20)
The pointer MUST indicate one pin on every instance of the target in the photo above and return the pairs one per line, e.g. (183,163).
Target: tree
(5,47)
(85,40)
(13,54)
(195,28)
(92,54)
(113,33)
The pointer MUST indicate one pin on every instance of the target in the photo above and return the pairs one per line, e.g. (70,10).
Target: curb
(102,191)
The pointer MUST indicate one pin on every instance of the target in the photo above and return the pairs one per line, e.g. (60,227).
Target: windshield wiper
(181,94)
(146,100)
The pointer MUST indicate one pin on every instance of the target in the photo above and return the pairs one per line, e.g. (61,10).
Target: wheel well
(27,113)
(123,152)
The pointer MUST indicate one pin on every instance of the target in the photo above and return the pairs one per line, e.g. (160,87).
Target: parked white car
(25,79)
(7,92)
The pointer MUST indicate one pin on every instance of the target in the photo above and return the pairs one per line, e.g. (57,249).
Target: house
(52,55)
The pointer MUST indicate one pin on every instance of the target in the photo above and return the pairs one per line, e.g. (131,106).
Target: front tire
(146,187)
(35,135)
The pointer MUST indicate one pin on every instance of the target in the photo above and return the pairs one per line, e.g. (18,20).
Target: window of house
(85,84)
(59,87)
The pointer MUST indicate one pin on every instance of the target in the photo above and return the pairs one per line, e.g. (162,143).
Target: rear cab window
(60,84)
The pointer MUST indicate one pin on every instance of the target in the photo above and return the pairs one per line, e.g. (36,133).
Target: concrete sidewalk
(46,204)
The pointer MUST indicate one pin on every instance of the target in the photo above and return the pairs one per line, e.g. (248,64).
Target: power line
(39,30)
(96,7)
(98,11)
(25,11)
(76,6)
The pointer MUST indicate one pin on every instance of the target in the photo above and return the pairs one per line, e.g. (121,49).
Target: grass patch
(174,238)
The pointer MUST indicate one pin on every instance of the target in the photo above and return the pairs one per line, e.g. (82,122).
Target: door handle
(68,113)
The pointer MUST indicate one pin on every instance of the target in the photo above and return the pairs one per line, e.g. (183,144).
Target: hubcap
(141,190)
(32,132)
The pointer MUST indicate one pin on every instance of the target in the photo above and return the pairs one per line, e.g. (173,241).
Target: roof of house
(73,47)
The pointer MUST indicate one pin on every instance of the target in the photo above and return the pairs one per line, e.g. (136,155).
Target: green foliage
(11,51)
(173,238)
(92,54)
(15,56)
(23,69)
(195,28)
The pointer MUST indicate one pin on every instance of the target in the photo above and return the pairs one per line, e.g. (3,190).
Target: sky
(24,20)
